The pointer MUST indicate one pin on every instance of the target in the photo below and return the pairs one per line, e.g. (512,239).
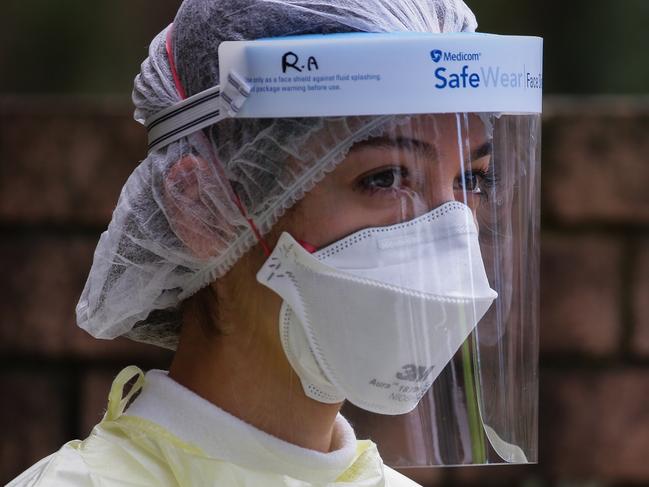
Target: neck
(250,378)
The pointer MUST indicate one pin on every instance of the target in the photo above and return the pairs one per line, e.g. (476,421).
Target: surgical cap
(178,227)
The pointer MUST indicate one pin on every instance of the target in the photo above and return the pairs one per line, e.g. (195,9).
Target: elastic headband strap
(196,112)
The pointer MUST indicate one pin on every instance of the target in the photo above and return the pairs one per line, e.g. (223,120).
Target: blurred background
(68,143)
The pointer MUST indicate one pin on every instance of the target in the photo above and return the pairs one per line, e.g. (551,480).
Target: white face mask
(376,316)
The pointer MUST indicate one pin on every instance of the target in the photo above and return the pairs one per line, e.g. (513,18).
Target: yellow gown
(125,450)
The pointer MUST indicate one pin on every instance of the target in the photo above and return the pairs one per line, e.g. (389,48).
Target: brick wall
(63,162)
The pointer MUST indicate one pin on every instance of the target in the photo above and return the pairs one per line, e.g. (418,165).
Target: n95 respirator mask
(375,317)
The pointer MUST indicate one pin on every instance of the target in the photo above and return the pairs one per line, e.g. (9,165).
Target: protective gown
(125,449)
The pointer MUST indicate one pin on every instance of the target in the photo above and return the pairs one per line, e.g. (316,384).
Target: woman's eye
(386,178)
(470,182)
(476,181)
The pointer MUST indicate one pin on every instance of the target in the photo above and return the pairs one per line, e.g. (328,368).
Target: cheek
(324,228)
(328,214)
(326,224)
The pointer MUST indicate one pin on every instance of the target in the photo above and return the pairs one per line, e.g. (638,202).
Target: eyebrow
(383,142)
(484,150)
(416,145)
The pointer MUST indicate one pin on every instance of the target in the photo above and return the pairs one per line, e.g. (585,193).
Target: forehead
(441,129)
(438,135)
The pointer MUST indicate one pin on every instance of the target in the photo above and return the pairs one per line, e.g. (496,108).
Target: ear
(190,213)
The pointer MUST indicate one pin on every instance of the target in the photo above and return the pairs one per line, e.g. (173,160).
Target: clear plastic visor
(422,311)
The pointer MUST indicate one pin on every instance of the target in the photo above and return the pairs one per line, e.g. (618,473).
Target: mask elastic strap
(308,247)
(172,64)
(206,95)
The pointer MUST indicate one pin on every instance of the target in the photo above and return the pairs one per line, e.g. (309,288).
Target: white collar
(224,436)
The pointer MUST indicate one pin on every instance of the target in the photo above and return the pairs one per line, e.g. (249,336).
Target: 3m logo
(414,373)
(436,55)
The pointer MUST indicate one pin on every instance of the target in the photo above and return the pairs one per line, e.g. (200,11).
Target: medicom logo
(438,55)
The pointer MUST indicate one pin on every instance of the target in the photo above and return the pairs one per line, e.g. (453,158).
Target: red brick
(65,163)
(595,425)
(32,419)
(580,295)
(641,302)
(43,279)
(595,166)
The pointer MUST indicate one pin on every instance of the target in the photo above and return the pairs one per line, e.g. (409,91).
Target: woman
(221,231)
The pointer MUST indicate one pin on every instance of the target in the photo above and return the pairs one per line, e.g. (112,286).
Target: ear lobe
(188,212)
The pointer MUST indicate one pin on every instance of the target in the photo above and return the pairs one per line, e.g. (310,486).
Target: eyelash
(399,174)
(486,180)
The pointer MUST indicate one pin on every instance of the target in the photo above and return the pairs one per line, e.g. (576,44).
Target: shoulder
(65,467)
(395,479)
(108,457)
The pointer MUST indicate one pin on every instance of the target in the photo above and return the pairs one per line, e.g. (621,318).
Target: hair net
(180,221)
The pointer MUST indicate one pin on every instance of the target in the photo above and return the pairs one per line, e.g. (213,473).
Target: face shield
(410,279)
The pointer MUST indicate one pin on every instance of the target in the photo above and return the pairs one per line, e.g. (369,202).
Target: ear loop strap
(219,167)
